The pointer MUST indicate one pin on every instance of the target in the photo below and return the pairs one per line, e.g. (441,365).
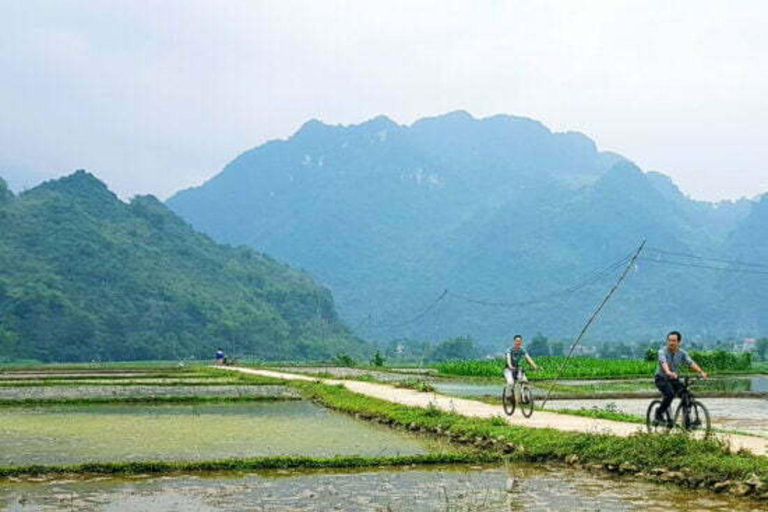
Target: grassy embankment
(181,400)
(673,457)
(247,464)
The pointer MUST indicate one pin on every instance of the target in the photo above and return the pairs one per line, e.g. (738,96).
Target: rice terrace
(422,256)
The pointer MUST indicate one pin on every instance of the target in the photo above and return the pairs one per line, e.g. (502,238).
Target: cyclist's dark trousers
(669,389)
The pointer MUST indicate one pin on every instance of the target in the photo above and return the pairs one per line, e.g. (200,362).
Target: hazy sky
(155,96)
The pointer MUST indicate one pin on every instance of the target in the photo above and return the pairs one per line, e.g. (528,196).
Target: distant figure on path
(515,357)
(671,359)
(220,357)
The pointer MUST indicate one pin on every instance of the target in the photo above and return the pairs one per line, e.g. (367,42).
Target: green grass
(244,464)
(576,368)
(703,460)
(192,399)
(603,414)
(418,385)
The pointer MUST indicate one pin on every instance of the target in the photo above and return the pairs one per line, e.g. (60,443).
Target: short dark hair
(516,337)
(675,333)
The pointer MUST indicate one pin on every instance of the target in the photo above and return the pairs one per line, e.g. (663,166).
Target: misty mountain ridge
(500,209)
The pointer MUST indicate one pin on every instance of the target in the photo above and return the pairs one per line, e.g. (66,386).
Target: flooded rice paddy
(74,434)
(521,487)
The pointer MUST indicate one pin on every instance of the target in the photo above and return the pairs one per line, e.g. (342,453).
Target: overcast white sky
(155,96)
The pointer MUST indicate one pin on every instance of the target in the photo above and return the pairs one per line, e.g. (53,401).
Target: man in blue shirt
(515,357)
(671,359)
(219,357)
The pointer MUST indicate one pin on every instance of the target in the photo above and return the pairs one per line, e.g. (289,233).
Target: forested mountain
(86,276)
(515,221)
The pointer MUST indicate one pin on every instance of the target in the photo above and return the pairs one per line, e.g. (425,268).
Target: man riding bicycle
(671,359)
(515,357)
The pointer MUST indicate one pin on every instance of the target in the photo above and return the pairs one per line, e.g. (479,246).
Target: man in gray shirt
(671,359)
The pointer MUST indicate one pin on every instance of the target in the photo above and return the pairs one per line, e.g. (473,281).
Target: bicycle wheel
(694,419)
(508,400)
(650,418)
(526,400)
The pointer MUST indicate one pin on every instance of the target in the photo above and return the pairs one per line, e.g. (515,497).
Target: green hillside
(86,276)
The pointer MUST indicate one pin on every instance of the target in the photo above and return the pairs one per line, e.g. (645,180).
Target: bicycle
(521,393)
(691,415)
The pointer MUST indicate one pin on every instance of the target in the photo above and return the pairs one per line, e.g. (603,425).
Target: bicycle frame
(685,395)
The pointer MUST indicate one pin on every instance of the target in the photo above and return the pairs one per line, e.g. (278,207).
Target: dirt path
(463,406)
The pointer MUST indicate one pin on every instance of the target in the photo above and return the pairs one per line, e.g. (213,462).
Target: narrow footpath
(473,408)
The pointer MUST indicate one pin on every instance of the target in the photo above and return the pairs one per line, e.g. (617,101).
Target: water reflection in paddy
(521,487)
(71,434)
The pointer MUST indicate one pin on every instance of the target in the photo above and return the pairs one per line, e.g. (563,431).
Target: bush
(343,359)
(377,359)
(722,360)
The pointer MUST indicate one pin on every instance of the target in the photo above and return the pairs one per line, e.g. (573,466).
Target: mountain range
(455,225)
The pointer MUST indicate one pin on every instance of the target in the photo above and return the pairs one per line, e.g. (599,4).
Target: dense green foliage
(500,211)
(588,368)
(84,276)
(577,368)
(713,360)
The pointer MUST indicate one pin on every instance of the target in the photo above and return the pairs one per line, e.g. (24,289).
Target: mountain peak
(625,179)
(380,122)
(664,185)
(82,187)
(456,115)
(81,182)
(310,128)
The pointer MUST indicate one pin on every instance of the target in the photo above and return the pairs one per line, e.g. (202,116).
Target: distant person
(220,357)
(515,357)
(671,359)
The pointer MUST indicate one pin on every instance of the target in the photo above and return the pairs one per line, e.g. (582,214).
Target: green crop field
(576,368)
(590,368)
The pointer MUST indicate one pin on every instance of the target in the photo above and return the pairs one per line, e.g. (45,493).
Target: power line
(591,279)
(544,298)
(705,258)
(709,267)
(592,319)
(419,316)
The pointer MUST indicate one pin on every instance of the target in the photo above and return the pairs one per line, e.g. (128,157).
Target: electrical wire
(705,258)
(708,267)
(593,278)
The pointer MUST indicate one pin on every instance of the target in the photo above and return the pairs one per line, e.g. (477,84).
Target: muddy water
(72,434)
(523,487)
(749,415)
